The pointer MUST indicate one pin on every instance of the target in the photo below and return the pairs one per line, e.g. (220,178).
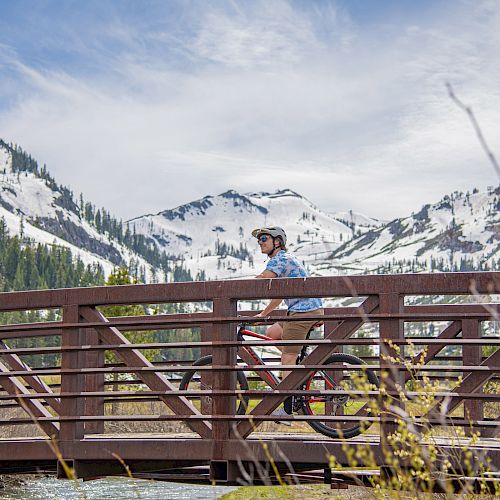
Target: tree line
(26,265)
(99,218)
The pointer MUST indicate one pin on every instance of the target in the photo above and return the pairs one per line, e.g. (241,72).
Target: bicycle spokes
(339,375)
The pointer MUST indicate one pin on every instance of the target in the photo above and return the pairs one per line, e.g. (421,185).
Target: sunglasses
(263,238)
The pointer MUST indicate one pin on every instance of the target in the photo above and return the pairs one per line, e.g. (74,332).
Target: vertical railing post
(205,376)
(71,430)
(221,469)
(391,377)
(94,382)
(472,356)
(205,336)
(336,375)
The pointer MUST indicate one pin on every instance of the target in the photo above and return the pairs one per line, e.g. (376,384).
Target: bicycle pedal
(297,404)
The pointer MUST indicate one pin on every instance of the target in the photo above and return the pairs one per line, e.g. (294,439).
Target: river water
(116,488)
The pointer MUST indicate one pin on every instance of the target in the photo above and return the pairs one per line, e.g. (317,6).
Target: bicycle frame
(250,357)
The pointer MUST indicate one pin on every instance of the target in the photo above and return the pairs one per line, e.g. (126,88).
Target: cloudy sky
(145,105)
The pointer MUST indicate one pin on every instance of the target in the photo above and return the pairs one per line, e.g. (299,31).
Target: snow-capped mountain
(211,237)
(32,204)
(459,233)
(214,234)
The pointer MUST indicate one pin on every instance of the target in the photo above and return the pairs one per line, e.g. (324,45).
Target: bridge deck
(186,447)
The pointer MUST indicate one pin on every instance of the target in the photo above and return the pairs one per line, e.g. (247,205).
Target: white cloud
(269,96)
(270,35)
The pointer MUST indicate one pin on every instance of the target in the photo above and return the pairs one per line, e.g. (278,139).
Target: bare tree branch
(476,126)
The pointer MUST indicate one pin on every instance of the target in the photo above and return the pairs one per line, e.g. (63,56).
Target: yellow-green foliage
(411,451)
(277,492)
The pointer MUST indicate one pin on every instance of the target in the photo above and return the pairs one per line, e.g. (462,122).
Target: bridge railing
(80,395)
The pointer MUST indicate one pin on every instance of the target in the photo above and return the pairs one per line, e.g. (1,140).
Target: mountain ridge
(211,237)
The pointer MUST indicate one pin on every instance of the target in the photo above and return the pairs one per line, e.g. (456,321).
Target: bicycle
(336,376)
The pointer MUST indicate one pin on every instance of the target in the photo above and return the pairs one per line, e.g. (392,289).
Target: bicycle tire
(240,376)
(351,428)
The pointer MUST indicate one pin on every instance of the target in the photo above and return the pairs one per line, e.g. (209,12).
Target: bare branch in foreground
(476,126)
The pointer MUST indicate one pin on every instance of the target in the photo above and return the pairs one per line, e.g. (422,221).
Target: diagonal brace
(155,381)
(33,407)
(450,332)
(472,382)
(35,382)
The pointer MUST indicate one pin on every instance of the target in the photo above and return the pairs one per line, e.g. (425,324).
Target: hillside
(210,238)
(213,234)
(461,232)
(34,206)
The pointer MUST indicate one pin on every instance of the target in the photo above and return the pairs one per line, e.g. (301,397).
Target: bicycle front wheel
(202,380)
(338,374)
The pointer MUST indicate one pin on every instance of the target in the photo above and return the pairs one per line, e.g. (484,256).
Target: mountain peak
(279,193)
(285,192)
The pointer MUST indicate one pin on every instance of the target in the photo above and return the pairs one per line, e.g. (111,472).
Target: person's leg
(276,333)
(294,330)
(288,359)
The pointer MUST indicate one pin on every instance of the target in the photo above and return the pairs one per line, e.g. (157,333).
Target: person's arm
(275,302)
(267,274)
(270,308)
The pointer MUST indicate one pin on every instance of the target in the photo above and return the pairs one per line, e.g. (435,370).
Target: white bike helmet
(274,231)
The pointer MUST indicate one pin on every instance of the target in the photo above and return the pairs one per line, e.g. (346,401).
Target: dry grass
(17,431)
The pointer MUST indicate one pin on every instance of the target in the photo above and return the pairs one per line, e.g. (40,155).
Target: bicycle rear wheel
(338,374)
(202,380)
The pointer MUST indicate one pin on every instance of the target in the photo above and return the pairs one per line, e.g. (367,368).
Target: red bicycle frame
(250,357)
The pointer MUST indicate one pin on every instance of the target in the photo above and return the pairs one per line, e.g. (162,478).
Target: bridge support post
(472,356)
(221,469)
(94,382)
(336,375)
(206,376)
(73,407)
(391,377)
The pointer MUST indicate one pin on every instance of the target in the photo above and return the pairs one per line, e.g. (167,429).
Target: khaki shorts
(297,330)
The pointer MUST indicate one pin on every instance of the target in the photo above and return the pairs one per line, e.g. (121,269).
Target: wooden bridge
(71,400)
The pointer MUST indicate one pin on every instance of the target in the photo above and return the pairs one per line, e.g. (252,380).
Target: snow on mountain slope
(39,209)
(355,219)
(214,234)
(13,224)
(460,232)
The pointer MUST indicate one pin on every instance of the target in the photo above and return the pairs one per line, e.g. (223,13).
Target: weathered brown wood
(135,323)
(226,447)
(206,377)
(333,286)
(94,382)
(154,380)
(441,342)
(471,355)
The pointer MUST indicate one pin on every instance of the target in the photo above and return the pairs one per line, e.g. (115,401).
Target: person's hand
(259,315)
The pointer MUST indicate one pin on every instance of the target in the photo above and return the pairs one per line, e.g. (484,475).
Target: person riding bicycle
(281,264)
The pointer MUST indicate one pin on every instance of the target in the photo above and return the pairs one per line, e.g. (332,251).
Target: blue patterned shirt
(285,265)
